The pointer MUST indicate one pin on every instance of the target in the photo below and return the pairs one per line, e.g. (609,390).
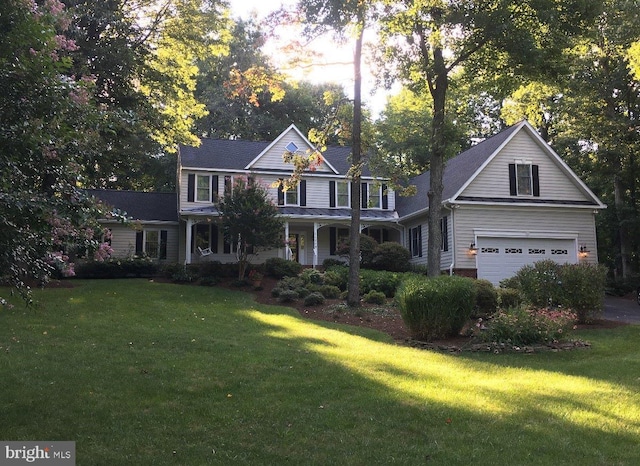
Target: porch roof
(310,213)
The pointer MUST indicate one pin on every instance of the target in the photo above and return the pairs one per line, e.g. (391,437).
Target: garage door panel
(499,258)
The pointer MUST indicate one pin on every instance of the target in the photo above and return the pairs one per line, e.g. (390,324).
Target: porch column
(187,248)
(315,244)
(287,250)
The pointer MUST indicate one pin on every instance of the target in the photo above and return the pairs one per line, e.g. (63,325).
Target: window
(381,235)
(291,196)
(337,236)
(342,194)
(444,232)
(415,241)
(203,188)
(524,179)
(205,236)
(374,196)
(291,147)
(152,243)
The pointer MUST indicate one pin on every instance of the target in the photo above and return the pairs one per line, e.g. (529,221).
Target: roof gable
(463,169)
(271,156)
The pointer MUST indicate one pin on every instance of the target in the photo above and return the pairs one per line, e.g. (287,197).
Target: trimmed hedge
(436,307)
(279,268)
(117,268)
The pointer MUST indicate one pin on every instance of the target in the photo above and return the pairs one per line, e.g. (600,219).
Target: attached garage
(500,257)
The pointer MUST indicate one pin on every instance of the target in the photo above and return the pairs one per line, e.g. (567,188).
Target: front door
(297,247)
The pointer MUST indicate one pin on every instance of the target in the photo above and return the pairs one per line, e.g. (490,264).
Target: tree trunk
(353,296)
(623,233)
(438,150)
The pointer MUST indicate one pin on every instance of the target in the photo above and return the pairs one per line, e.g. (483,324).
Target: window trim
(199,189)
(348,185)
(415,236)
(519,185)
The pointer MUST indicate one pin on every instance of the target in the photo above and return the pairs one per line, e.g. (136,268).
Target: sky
(333,53)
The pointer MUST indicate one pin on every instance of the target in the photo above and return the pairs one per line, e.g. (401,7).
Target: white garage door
(500,258)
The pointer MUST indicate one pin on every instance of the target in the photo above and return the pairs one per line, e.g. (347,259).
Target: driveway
(621,310)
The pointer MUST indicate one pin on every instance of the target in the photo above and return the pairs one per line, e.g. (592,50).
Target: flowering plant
(526,326)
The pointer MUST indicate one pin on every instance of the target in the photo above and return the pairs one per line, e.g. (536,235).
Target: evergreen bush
(436,307)
(279,268)
(313,299)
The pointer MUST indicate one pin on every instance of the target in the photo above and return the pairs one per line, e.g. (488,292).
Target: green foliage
(337,276)
(486,298)
(519,326)
(374,297)
(331,262)
(573,286)
(379,280)
(209,281)
(508,298)
(287,296)
(277,267)
(330,291)
(391,256)
(436,307)
(118,268)
(314,299)
(248,214)
(368,246)
(311,276)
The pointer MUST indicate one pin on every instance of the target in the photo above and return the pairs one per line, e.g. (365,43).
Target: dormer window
(523,179)
(291,147)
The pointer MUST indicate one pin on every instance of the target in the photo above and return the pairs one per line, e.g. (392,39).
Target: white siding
(272,159)
(493,181)
(531,220)
(123,239)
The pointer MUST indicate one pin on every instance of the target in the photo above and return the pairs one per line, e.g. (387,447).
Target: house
(508,201)
(154,227)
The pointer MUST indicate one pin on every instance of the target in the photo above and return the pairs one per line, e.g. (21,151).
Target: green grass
(139,373)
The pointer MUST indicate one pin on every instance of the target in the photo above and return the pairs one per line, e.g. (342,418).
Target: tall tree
(427,40)
(48,123)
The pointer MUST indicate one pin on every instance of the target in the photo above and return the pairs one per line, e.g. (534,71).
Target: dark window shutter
(191,187)
(227,246)
(214,239)
(303,193)
(332,240)
(332,193)
(163,244)
(444,230)
(280,193)
(512,179)
(139,244)
(214,188)
(385,197)
(227,185)
(420,240)
(385,235)
(536,180)
(364,196)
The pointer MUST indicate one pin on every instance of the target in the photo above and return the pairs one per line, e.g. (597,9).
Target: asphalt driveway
(621,310)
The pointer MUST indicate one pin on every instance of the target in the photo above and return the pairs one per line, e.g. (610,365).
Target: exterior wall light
(583,252)
(473,249)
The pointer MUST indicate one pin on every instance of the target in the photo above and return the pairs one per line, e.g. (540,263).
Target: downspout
(450,208)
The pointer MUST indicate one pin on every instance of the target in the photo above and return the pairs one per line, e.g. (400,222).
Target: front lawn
(137,372)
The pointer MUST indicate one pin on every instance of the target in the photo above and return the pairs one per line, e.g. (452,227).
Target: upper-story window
(374,196)
(295,196)
(291,147)
(203,188)
(523,179)
(339,194)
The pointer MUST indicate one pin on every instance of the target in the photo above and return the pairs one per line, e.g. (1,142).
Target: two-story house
(508,201)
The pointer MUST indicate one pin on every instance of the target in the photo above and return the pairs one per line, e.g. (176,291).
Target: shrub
(183,275)
(367,247)
(486,298)
(287,296)
(117,268)
(208,281)
(313,299)
(582,289)
(330,291)
(311,276)
(379,280)
(539,283)
(374,297)
(337,276)
(392,257)
(331,262)
(436,307)
(279,268)
(509,297)
(519,326)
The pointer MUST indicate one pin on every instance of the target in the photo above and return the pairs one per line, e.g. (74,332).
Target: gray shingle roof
(457,172)
(230,154)
(144,206)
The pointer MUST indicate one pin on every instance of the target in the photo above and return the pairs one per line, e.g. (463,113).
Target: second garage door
(499,258)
